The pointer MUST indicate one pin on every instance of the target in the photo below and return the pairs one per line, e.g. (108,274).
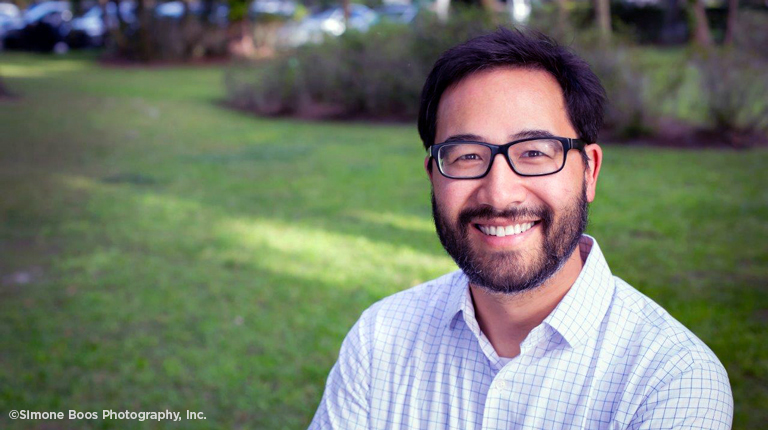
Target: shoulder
(423,302)
(662,349)
(645,322)
(402,315)
(663,364)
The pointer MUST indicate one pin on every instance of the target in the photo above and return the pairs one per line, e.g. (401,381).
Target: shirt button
(500,385)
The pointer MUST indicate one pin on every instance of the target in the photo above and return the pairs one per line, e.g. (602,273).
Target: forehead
(501,102)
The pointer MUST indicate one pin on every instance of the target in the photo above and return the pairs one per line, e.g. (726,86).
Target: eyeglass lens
(532,157)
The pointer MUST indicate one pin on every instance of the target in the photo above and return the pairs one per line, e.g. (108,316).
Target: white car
(328,23)
(284,8)
(10,18)
(174,9)
(95,26)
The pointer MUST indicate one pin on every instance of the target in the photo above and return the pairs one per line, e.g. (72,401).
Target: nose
(502,188)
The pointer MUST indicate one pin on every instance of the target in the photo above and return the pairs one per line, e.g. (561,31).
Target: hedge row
(378,75)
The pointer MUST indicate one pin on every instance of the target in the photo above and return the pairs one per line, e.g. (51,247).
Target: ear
(595,161)
(428,167)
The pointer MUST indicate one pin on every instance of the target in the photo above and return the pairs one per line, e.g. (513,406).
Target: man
(534,331)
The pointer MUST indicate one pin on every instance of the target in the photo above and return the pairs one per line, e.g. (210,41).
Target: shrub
(736,88)
(266,87)
(188,38)
(750,35)
(167,39)
(378,74)
(625,82)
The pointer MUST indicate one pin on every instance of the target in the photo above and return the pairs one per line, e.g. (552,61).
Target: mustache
(486,212)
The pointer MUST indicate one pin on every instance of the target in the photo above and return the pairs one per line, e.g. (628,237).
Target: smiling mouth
(505,230)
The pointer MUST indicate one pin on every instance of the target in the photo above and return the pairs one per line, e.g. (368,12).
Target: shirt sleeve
(698,398)
(345,400)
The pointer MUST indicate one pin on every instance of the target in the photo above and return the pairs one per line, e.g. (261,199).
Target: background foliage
(684,95)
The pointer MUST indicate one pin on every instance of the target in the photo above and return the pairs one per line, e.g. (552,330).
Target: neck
(507,319)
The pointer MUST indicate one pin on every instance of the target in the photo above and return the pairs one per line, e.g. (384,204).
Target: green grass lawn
(160,252)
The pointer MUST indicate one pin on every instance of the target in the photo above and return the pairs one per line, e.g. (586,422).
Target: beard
(506,271)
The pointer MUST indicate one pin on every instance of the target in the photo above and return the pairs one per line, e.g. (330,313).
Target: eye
(469,157)
(466,157)
(532,154)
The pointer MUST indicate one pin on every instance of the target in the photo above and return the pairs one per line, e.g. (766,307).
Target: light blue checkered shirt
(607,357)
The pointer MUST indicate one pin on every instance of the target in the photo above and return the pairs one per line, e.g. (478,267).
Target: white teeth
(501,231)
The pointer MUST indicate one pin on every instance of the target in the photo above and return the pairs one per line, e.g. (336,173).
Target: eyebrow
(523,134)
(464,138)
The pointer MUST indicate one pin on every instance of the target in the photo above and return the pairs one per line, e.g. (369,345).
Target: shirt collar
(578,314)
(459,292)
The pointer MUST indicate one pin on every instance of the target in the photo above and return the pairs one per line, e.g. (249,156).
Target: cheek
(549,189)
(560,190)
(452,196)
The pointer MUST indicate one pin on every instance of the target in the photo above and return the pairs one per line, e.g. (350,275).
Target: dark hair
(584,95)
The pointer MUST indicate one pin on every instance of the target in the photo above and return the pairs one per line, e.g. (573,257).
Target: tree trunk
(345,5)
(116,30)
(192,32)
(730,27)
(144,10)
(562,17)
(491,6)
(702,35)
(603,18)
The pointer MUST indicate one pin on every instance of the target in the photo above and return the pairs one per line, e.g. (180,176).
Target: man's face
(548,214)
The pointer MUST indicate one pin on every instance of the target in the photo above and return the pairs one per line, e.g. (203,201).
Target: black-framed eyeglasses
(533,156)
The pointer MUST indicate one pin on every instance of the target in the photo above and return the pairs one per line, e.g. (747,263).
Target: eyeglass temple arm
(576,144)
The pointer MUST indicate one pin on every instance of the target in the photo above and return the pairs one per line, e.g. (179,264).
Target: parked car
(328,23)
(281,8)
(45,28)
(10,19)
(174,9)
(92,28)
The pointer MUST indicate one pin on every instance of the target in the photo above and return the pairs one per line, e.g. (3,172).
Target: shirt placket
(509,393)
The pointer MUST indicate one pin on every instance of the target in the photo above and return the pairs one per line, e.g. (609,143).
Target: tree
(702,35)
(145,48)
(562,17)
(117,29)
(733,7)
(603,18)
(492,6)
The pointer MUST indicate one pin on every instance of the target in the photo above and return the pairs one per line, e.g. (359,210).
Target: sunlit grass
(40,70)
(160,252)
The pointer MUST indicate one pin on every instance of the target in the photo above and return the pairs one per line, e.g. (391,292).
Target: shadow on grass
(168,302)
(139,331)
